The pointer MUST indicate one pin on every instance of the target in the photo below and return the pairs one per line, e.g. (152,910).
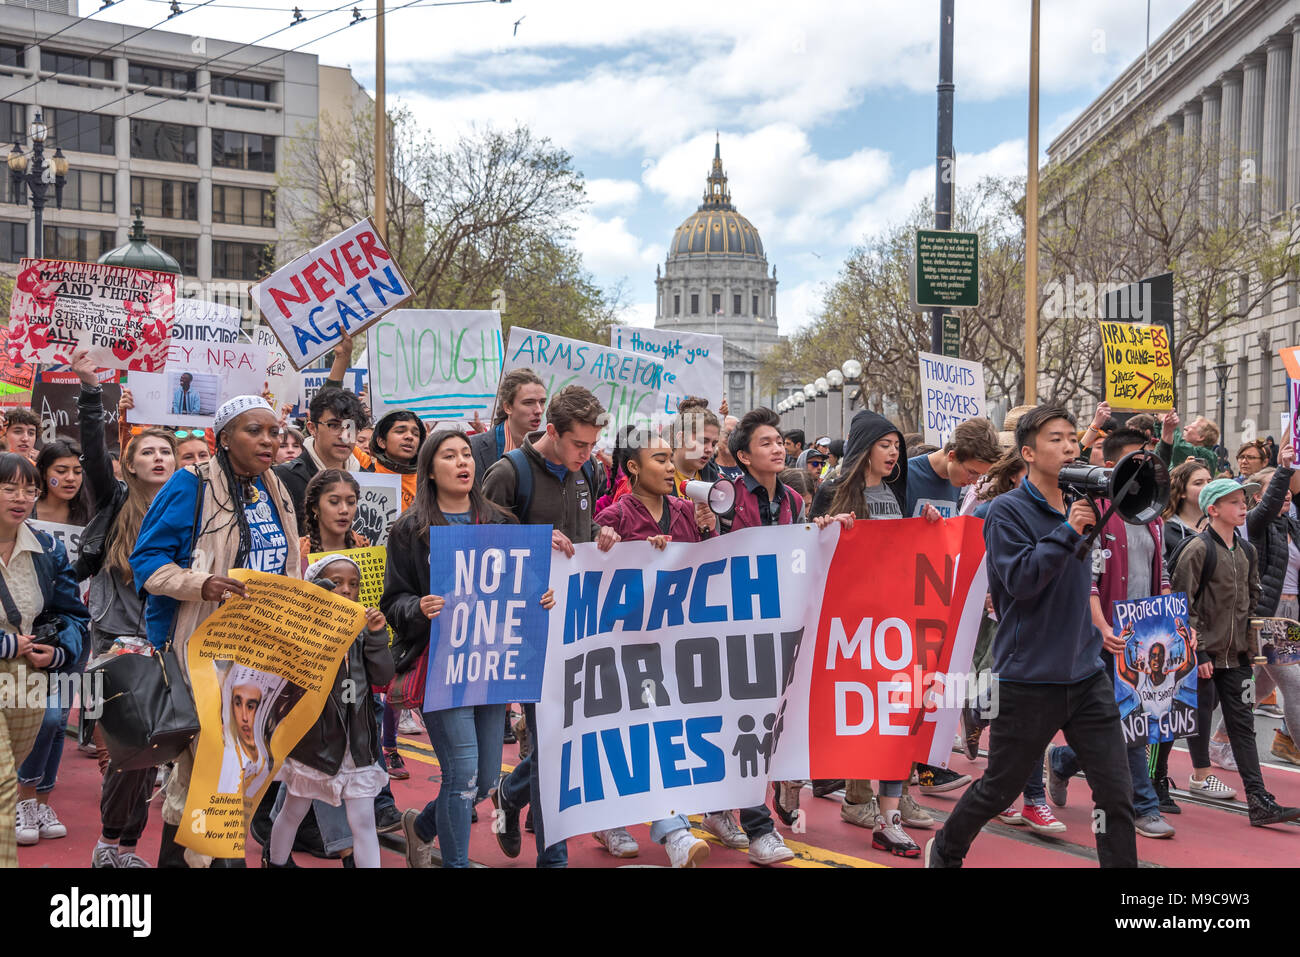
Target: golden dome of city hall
(716,229)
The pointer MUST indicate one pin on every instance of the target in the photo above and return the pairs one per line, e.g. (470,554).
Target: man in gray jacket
(559,490)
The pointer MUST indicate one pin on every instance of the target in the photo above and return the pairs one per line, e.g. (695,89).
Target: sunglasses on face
(181,434)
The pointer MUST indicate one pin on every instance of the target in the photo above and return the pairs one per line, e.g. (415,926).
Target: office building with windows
(193,131)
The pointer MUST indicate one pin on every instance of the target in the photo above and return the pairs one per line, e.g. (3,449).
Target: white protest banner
(683,680)
(69,536)
(692,362)
(122,315)
(199,377)
(441,364)
(378,505)
(281,380)
(198,320)
(343,285)
(952,391)
(626,384)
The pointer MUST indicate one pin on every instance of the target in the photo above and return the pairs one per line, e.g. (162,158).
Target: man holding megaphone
(1046,653)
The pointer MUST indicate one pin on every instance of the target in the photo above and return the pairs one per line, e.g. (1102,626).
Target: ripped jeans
(468,744)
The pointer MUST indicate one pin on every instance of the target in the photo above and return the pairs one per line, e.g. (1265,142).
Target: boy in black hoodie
(1046,654)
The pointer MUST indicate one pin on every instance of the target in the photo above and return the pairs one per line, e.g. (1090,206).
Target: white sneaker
(724,827)
(131,859)
(1211,787)
(618,842)
(48,823)
(27,823)
(408,723)
(105,855)
(769,849)
(1221,755)
(685,849)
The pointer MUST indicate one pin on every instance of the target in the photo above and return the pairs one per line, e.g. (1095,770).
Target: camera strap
(11,609)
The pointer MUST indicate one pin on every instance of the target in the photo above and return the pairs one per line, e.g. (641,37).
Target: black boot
(1167,805)
(510,730)
(170,854)
(266,858)
(1265,810)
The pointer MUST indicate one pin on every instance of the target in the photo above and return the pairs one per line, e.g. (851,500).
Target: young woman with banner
(116,608)
(329,508)
(231,512)
(652,513)
(466,740)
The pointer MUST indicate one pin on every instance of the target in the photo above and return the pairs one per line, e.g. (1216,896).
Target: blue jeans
(468,744)
(1145,801)
(41,767)
(1035,792)
(659,830)
(522,787)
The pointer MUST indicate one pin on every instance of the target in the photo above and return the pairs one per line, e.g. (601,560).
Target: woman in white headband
(231,512)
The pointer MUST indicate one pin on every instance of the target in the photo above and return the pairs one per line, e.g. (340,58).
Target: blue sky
(826,109)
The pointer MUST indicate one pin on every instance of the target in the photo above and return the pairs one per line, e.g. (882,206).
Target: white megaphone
(720,496)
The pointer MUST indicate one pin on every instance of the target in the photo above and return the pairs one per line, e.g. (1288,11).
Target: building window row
(74,64)
(232,149)
(737,302)
(90,191)
(80,132)
(244,89)
(229,260)
(165,198)
(168,142)
(163,77)
(241,206)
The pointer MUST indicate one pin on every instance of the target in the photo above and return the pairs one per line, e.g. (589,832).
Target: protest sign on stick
(313,380)
(627,384)
(1139,367)
(952,391)
(54,399)
(261,668)
(343,285)
(488,644)
(378,505)
(692,363)
(199,321)
(683,680)
(199,377)
(282,380)
(123,316)
(1155,678)
(441,364)
(69,536)
(16,383)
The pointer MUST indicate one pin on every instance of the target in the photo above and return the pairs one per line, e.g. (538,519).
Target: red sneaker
(1041,820)
(1012,816)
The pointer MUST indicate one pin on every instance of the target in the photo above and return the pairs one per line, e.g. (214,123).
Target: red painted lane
(1207,836)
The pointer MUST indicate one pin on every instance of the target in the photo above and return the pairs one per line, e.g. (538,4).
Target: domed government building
(716,280)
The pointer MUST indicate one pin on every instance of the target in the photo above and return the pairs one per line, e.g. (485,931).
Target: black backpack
(1211,558)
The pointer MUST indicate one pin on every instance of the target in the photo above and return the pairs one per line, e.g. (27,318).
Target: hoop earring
(898,470)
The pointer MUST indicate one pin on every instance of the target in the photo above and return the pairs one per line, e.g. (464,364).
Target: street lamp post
(36,174)
(1221,373)
(823,409)
(810,409)
(835,427)
(852,370)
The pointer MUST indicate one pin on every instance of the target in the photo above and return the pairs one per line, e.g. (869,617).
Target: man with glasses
(185,401)
(333,420)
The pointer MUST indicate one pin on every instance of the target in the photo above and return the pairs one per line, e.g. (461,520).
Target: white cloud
(612,193)
(638,314)
(798,305)
(789,192)
(609,248)
(1006,159)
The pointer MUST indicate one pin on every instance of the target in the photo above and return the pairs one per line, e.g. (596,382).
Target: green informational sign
(951,335)
(947,269)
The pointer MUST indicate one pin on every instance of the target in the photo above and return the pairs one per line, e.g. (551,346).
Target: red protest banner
(124,316)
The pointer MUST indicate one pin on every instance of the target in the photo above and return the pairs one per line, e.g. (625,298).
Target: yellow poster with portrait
(261,668)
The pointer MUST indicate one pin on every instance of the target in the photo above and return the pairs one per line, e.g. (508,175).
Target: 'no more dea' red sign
(344,285)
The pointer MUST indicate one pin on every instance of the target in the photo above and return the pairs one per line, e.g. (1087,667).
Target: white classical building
(1228,69)
(716,280)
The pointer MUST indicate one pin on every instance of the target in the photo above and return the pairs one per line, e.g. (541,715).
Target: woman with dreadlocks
(231,512)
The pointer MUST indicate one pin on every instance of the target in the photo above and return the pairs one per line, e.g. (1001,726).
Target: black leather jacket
(348,715)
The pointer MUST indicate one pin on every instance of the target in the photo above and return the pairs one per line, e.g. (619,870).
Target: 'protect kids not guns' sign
(344,285)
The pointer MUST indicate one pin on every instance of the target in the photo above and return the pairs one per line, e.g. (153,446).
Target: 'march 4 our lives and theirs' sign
(343,285)
(684,680)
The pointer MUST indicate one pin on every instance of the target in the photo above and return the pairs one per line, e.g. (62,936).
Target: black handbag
(147,711)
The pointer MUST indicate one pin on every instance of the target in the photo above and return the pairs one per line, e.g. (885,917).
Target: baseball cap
(1217,489)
